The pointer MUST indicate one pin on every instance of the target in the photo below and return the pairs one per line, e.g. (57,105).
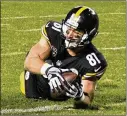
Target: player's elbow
(26,64)
(28,61)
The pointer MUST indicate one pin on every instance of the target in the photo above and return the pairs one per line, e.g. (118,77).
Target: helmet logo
(73,21)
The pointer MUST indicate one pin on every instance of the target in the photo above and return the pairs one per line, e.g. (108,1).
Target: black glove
(56,81)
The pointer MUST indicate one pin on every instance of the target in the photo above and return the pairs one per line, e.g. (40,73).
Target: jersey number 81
(93,59)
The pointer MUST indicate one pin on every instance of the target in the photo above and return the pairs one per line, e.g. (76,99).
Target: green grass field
(20,29)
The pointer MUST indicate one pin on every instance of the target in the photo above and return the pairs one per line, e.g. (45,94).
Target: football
(69,77)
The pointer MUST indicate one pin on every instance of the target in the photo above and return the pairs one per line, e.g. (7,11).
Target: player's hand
(74,91)
(56,81)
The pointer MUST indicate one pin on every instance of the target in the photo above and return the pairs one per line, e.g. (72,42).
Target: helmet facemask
(79,41)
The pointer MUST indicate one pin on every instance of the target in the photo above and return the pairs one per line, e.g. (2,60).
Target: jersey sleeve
(45,31)
(95,73)
(95,66)
(50,31)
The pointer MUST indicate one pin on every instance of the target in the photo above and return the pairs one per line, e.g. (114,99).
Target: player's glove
(74,91)
(56,81)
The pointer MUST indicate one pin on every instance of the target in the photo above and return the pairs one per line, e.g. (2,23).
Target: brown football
(69,76)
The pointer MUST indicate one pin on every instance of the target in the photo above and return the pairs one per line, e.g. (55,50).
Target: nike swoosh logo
(97,69)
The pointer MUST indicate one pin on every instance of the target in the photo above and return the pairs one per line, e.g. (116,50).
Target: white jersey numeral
(93,59)
(56,27)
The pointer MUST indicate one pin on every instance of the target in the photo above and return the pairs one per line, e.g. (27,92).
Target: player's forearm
(36,58)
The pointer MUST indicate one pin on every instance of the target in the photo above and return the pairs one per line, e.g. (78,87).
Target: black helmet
(84,19)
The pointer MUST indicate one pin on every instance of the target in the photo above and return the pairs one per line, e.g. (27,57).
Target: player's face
(73,34)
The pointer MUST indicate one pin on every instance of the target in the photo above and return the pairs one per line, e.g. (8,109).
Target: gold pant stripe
(22,83)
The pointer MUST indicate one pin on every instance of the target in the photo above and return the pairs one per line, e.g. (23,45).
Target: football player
(63,47)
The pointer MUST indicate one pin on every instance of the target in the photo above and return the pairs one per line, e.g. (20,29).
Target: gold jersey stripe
(83,77)
(80,11)
(44,35)
(44,30)
(90,74)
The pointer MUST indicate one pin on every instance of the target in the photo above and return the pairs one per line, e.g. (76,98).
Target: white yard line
(105,33)
(48,16)
(120,13)
(13,53)
(115,48)
(28,30)
(47,108)
(36,109)
(25,17)
(115,104)
(22,17)
(20,53)
(4,24)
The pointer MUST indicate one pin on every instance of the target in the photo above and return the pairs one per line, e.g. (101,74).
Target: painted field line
(115,48)
(22,17)
(48,16)
(25,17)
(20,53)
(28,30)
(116,104)
(120,13)
(105,33)
(4,24)
(48,108)
(124,74)
(36,109)
(13,53)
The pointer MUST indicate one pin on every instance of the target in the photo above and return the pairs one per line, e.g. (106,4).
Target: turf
(20,29)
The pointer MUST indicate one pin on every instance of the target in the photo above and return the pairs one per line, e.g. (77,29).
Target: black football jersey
(90,62)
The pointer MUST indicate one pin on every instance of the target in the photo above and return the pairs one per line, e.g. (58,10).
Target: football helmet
(83,19)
